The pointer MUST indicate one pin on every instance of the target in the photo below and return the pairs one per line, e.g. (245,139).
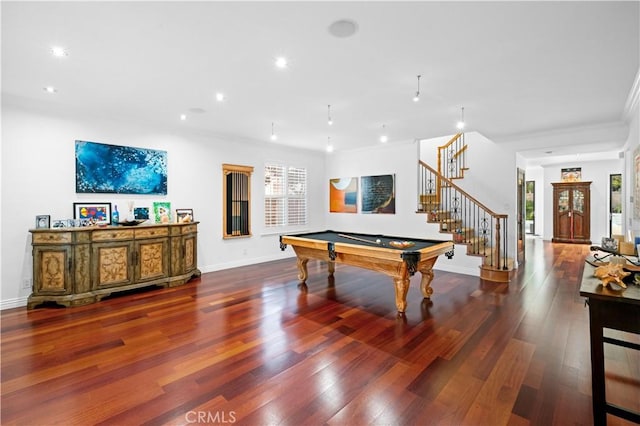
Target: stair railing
(452,157)
(471,223)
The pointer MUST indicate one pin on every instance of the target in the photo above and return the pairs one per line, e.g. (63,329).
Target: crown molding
(632,100)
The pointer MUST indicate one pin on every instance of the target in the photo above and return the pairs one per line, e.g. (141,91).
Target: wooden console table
(618,310)
(77,266)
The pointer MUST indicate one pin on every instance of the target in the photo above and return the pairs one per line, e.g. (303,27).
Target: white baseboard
(13,303)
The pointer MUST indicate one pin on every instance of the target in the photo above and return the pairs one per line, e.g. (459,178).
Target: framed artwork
(162,212)
(610,244)
(573,174)
(113,169)
(184,215)
(59,223)
(43,221)
(141,213)
(343,195)
(99,213)
(378,194)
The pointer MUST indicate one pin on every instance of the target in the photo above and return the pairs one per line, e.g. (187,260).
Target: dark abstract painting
(378,194)
(102,168)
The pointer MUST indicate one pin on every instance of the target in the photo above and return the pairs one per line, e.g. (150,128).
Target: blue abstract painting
(102,168)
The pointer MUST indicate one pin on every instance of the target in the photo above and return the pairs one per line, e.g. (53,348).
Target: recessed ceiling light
(281,62)
(59,52)
(343,28)
(50,89)
(183,117)
(220,97)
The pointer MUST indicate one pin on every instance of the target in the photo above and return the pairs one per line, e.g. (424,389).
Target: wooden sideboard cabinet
(77,266)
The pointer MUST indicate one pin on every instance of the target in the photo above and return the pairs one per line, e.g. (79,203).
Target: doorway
(530,207)
(615,204)
(521,216)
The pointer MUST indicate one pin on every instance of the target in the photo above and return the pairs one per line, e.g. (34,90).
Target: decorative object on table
(378,194)
(184,215)
(162,211)
(43,221)
(115,216)
(573,174)
(401,244)
(343,195)
(130,216)
(133,222)
(141,213)
(103,168)
(609,244)
(612,273)
(100,213)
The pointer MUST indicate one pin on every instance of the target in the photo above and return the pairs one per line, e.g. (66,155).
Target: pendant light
(383,136)
(329,120)
(460,124)
(416,98)
(329,146)
(273,134)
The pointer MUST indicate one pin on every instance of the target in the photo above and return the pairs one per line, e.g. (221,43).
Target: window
(285,195)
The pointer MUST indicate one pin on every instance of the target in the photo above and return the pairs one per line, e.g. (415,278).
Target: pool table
(397,257)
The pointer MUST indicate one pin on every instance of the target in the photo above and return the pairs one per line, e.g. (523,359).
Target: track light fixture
(329,120)
(273,134)
(416,98)
(460,124)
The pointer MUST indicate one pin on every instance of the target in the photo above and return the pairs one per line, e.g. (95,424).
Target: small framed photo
(141,213)
(184,215)
(610,244)
(43,221)
(59,223)
(98,213)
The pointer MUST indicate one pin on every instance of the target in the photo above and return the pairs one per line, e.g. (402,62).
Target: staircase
(469,222)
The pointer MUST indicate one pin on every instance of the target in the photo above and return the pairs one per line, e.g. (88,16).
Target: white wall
(38,177)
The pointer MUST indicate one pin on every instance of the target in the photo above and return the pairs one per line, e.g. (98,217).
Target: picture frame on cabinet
(162,212)
(59,223)
(43,221)
(99,213)
(184,215)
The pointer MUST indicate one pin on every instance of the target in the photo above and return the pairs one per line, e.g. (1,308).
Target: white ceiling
(534,74)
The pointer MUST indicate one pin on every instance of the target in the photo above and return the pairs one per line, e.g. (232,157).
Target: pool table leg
(425,283)
(331,267)
(402,287)
(302,268)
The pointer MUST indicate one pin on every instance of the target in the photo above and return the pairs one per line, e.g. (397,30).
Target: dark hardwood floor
(247,346)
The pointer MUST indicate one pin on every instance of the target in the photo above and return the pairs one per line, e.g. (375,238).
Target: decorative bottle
(115,216)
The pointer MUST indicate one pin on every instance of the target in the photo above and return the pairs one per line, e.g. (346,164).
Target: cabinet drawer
(152,232)
(189,229)
(51,237)
(113,234)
